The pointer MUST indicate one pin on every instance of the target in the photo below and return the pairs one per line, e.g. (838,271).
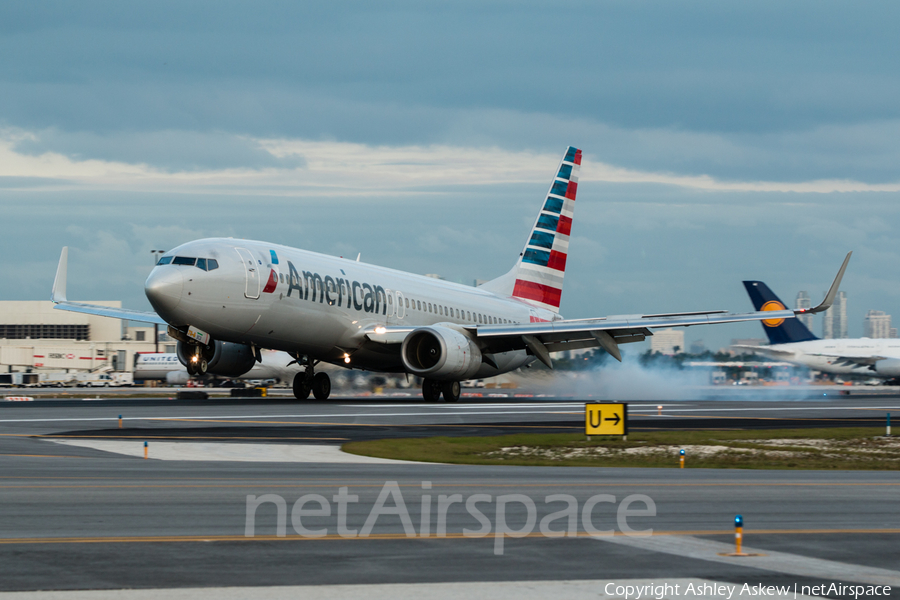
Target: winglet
(59,284)
(832,292)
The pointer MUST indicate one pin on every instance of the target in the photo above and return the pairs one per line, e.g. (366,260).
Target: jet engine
(440,353)
(222,358)
(888,367)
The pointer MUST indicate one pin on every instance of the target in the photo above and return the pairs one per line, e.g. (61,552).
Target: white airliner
(162,366)
(224,299)
(791,341)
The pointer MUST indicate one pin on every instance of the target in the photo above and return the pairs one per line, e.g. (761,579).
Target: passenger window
(184,260)
(164,260)
(418,304)
(281,277)
(429,307)
(407,302)
(201,263)
(468,316)
(211,264)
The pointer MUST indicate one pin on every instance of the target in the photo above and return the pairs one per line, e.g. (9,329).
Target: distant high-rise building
(877,325)
(698,347)
(893,333)
(834,324)
(803,302)
(667,341)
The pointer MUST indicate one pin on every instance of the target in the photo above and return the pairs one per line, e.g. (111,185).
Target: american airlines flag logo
(543,264)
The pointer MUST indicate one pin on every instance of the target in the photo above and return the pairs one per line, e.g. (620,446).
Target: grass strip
(825,449)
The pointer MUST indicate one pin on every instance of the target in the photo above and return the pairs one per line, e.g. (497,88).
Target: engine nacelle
(440,353)
(223,358)
(889,367)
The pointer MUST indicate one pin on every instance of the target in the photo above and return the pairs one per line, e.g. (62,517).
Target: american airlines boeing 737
(224,299)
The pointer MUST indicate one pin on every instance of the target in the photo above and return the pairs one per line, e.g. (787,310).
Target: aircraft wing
(542,338)
(60,302)
(109,311)
(850,361)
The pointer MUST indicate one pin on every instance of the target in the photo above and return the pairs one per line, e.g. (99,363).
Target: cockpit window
(207,264)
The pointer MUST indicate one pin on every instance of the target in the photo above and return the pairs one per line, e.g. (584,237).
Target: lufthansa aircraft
(791,341)
(225,299)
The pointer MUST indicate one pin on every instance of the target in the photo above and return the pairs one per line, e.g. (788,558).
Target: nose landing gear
(309,381)
(197,365)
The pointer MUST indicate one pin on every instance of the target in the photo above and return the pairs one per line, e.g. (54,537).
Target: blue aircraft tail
(780,331)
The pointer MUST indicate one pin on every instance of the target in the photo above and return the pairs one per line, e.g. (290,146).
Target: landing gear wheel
(191,368)
(431,390)
(321,386)
(202,367)
(301,386)
(450,390)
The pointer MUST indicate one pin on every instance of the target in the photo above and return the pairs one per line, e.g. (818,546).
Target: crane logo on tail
(773,305)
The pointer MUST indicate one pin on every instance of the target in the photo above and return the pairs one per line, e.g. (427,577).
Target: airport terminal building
(36,337)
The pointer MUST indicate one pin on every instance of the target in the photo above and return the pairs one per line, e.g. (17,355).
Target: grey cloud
(699,66)
(165,150)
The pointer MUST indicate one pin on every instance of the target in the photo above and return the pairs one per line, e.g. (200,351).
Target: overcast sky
(721,142)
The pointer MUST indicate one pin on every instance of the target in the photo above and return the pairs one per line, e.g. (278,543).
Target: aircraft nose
(164,289)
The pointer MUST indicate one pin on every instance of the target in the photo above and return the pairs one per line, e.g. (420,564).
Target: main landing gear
(308,381)
(433,390)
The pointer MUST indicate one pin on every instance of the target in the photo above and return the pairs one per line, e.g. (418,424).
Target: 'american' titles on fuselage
(360,296)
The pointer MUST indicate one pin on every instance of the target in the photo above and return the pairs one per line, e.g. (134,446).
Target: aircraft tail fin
(779,331)
(537,276)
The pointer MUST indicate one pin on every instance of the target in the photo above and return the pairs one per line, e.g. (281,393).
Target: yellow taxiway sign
(606,419)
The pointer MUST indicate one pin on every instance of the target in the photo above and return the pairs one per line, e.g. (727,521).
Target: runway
(77,517)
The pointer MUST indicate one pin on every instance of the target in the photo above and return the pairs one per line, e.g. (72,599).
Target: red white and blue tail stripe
(542,265)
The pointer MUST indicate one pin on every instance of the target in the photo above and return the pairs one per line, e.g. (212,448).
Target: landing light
(346,358)
(194,358)
(379,330)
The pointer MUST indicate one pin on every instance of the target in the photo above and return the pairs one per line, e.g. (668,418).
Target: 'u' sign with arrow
(606,419)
